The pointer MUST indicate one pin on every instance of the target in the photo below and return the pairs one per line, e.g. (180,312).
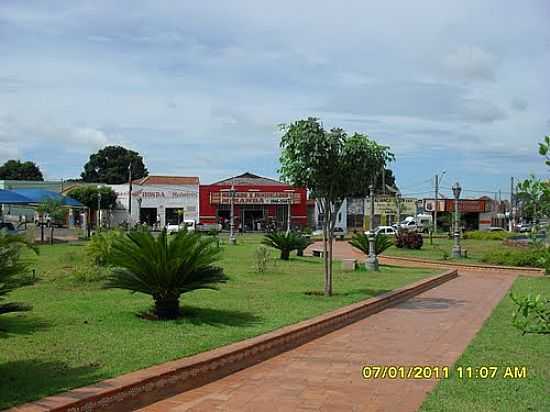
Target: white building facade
(157,201)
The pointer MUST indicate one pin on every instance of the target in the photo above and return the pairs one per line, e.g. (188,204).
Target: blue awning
(40,195)
(10,197)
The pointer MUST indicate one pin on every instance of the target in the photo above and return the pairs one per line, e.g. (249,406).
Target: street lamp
(99,208)
(372,260)
(232,192)
(139,200)
(457,252)
(289,202)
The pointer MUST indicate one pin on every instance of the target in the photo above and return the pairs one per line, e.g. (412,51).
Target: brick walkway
(433,328)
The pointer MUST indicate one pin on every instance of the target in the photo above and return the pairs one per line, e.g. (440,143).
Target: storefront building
(157,201)
(260,203)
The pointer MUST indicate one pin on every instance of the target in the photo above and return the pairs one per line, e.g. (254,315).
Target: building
(157,200)
(20,212)
(259,202)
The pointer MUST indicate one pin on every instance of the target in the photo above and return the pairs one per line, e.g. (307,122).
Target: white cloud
(471,63)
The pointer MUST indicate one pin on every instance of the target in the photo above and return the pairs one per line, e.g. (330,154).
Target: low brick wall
(138,389)
(514,270)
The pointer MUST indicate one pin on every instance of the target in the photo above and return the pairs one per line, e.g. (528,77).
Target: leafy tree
(165,269)
(111,165)
(333,166)
(285,242)
(88,196)
(17,170)
(544,149)
(11,269)
(535,197)
(53,208)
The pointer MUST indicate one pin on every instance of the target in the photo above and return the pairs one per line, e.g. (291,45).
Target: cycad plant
(361,242)
(12,268)
(286,242)
(164,269)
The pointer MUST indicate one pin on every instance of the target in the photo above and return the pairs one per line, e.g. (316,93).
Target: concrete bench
(349,265)
(317,253)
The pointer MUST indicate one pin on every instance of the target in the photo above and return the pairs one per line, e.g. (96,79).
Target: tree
(165,269)
(535,197)
(111,165)
(544,149)
(11,269)
(17,170)
(53,208)
(88,196)
(333,166)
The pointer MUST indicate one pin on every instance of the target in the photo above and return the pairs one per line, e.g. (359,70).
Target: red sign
(250,198)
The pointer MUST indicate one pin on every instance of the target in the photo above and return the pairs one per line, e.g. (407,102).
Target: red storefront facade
(259,203)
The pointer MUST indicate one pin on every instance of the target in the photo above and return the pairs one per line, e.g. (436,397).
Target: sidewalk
(433,328)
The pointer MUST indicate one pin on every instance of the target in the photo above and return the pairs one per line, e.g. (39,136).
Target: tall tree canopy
(17,170)
(111,165)
(88,196)
(333,166)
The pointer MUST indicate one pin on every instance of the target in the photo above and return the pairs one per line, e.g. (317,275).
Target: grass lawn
(476,249)
(78,333)
(499,344)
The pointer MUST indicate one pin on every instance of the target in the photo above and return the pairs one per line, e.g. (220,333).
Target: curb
(528,271)
(146,386)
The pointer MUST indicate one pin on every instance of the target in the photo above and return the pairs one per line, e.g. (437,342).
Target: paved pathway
(433,328)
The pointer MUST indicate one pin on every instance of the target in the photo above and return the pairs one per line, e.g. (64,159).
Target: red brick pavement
(432,328)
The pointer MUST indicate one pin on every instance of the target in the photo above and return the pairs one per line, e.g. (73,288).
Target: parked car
(340,233)
(385,230)
(524,227)
(409,225)
(186,224)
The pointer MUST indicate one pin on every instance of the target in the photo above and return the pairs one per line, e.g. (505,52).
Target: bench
(317,253)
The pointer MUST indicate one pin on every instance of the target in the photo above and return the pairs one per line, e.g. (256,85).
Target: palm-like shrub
(11,269)
(303,242)
(361,242)
(164,269)
(285,242)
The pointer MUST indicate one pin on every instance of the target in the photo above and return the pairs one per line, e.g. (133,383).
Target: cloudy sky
(198,87)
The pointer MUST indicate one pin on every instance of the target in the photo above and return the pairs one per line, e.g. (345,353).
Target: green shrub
(486,235)
(165,269)
(100,245)
(530,257)
(262,257)
(361,242)
(90,273)
(532,314)
(285,242)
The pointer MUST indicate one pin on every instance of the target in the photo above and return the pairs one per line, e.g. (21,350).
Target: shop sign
(251,198)
(387,206)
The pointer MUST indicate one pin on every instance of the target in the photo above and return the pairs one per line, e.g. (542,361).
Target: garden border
(143,387)
(525,271)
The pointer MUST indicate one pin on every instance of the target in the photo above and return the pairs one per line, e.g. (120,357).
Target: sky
(199,88)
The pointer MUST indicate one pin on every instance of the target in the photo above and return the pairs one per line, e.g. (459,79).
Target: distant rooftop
(167,180)
(249,179)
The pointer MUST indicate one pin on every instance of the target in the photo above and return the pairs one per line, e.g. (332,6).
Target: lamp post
(232,192)
(457,252)
(98,208)
(289,203)
(139,200)
(372,260)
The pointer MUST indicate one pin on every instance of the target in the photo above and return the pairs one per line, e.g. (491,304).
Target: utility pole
(512,206)
(436,202)
(130,191)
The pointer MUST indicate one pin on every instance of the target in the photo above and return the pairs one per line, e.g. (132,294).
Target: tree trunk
(167,308)
(328,286)
(285,254)
(51,235)
(300,252)
(41,232)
